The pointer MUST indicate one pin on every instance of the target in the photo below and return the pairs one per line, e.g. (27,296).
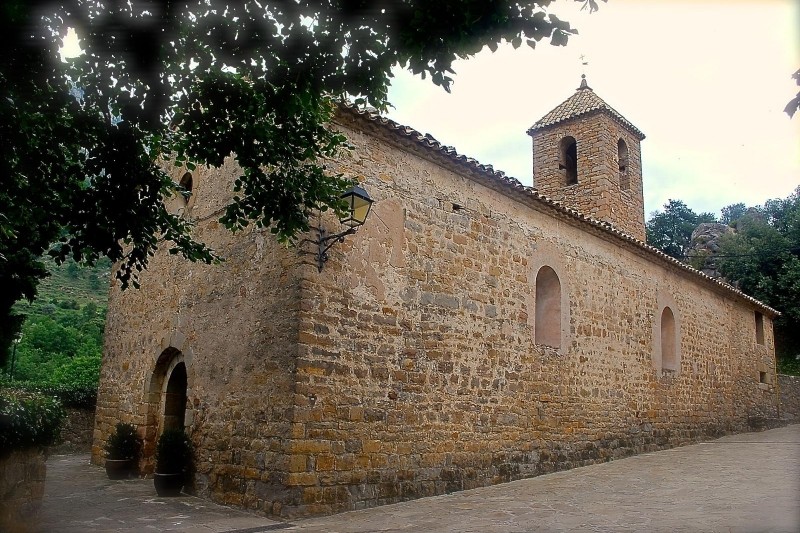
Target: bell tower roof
(583,102)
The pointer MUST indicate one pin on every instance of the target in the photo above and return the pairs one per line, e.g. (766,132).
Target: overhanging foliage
(192,82)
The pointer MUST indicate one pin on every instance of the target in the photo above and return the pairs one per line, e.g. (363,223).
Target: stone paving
(740,483)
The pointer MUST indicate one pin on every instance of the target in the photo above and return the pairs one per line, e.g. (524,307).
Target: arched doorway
(174,400)
(166,401)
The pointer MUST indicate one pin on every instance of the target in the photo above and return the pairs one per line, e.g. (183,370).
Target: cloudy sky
(705,81)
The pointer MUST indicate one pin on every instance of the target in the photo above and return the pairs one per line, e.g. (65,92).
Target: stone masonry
(410,365)
(76,433)
(790,396)
(22,478)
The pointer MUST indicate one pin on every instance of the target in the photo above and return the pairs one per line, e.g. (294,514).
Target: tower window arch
(568,159)
(622,159)
(547,323)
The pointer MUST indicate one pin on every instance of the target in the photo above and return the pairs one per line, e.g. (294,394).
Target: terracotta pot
(168,484)
(120,468)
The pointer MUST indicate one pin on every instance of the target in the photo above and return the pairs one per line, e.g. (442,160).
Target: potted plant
(173,462)
(122,451)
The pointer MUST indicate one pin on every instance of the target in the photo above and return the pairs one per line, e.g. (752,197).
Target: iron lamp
(358,206)
(358,203)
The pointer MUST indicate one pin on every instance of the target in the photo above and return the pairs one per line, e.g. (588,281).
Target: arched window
(669,352)
(568,160)
(547,324)
(186,185)
(622,158)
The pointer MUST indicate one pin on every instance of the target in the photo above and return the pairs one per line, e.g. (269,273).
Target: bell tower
(587,156)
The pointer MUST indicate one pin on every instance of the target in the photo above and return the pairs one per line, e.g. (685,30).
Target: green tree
(72,270)
(194,82)
(763,259)
(79,371)
(61,349)
(732,213)
(49,336)
(671,230)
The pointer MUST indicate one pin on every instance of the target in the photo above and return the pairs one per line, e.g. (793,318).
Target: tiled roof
(513,188)
(583,102)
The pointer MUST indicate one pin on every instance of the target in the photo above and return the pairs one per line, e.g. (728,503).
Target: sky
(705,81)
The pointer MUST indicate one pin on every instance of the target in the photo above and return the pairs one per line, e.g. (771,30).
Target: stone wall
(418,373)
(408,367)
(234,325)
(790,396)
(76,433)
(22,477)
(598,193)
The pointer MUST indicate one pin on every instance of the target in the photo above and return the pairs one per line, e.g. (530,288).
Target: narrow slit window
(759,328)
(622,158)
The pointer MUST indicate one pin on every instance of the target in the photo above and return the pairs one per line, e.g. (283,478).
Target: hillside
(62,336)
(71,281)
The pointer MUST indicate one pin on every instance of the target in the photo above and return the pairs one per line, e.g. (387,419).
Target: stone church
(473,331)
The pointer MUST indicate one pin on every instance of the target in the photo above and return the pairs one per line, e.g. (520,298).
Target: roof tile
(583,102)
(430,143)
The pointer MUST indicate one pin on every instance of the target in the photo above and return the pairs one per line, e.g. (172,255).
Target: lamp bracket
(324,243)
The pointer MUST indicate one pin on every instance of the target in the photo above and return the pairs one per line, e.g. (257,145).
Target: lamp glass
(359,204)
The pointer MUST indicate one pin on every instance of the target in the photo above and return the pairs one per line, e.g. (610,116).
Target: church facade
(473,331)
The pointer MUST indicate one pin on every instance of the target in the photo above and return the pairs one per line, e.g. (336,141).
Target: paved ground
(741,483)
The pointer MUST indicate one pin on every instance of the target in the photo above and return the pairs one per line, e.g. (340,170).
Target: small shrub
(28,420)
(788,366)
(124,443)
(69,304)
(72,270)
(173,452)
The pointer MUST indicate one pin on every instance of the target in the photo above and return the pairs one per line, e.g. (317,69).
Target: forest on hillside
(61,340)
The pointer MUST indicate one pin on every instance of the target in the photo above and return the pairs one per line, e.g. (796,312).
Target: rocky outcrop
(706,245)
